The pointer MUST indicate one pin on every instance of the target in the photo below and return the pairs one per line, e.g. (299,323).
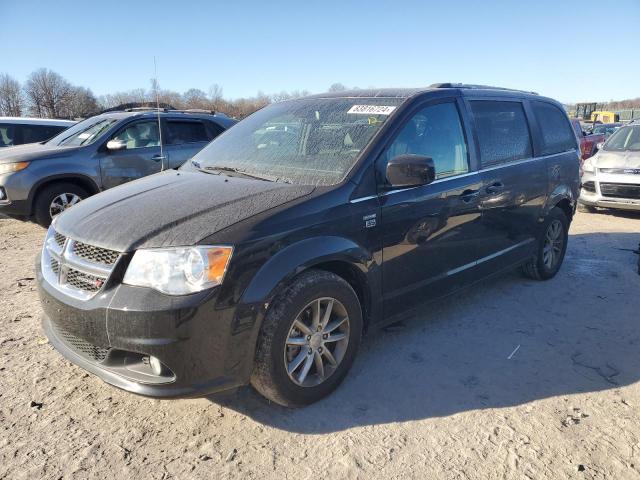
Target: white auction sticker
(372,109)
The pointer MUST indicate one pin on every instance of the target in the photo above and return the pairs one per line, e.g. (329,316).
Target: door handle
(494,188)
(157,158)
(469,195)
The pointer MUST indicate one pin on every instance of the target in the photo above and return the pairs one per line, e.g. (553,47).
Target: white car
(19,130)
(611,178)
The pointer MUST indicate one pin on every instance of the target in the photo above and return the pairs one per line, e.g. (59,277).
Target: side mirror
(410,171)
(115,145)
(599,145)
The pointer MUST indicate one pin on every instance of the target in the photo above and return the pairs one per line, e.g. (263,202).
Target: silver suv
(40,180)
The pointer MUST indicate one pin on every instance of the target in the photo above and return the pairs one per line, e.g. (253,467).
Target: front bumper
(16,187)
(196,338)
(600,189)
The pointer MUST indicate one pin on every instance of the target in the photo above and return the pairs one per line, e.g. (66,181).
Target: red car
(588,143)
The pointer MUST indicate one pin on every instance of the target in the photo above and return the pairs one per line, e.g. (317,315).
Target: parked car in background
(606,129)
(611,178)
(21,130)
(43,179)
(588,141)
(265,258)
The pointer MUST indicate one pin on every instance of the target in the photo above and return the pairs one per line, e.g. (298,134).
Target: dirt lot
(443,396)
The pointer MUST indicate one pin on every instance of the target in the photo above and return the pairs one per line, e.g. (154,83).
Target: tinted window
(38,133)
(140,135)
(503,132)
(435,132)
(7,135)
(185,132)
(213,130)
(557,135)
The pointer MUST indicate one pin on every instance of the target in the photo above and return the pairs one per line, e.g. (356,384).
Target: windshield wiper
(243,173)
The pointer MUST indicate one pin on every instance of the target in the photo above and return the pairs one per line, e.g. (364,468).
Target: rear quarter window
(186,132)
(557,134)
(502,130)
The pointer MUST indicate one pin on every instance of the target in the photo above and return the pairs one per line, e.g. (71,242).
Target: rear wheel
(308,341)
(55,199)
(551,247)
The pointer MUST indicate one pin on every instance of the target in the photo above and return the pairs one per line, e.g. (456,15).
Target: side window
(39,133)
(435,132)
(503,131)
(179,132)
(557,135)
(213,130)
(7,135)
(140,135)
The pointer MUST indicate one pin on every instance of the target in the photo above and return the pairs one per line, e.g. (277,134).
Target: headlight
(587,166)
(12,167)
(178,271)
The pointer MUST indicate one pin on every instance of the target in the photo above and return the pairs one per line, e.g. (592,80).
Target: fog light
(156,366)
(3,195)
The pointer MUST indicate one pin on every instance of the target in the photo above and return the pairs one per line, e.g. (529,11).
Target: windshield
(624,139)
(307,141)
(83,133)
(605,129)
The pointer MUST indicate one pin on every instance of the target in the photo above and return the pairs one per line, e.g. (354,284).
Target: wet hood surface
(171,209)
(628,159)
(33,151)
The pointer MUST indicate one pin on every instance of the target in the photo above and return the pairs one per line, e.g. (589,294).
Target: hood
(32,151)
(608,159)
(171,209)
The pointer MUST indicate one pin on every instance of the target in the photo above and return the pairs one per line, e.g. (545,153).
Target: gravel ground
(447,395)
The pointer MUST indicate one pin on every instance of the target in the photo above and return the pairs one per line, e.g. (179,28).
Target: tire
(538,267)
(297,301)
(44,199)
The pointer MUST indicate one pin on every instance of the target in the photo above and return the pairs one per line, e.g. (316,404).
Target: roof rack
(477,87)
(170,110)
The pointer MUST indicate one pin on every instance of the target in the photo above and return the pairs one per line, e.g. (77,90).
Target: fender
(561,192)
(279,270)
(299,256)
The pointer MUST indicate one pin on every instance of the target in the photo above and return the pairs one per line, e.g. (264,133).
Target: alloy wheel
(317,342)
(61,202)
(553,243)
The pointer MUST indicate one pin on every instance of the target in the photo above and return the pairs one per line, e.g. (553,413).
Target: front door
(141,157)
(431,232)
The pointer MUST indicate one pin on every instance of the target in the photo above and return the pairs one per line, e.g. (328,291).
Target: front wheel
(309,340)
(551,247)
(55,199)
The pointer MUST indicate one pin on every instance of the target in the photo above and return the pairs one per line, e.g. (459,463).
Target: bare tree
(337,87)
(196,98)
(11,97)
(215,95)
(82,104)
(47,93)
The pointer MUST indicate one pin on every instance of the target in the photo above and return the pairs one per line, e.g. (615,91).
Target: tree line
(47,94)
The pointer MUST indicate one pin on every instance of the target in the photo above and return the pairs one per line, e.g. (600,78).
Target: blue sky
(572,50)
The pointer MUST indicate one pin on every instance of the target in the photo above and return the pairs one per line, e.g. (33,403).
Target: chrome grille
(84,281)
(77,269)
(95,254)
(59,239)
(82,347)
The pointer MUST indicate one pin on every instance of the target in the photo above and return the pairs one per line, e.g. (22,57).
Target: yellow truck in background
(604,116)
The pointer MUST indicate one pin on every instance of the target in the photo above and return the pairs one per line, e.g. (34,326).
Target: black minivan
(265,258)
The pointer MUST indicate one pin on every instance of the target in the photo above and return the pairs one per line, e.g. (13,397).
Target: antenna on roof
(155,84)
